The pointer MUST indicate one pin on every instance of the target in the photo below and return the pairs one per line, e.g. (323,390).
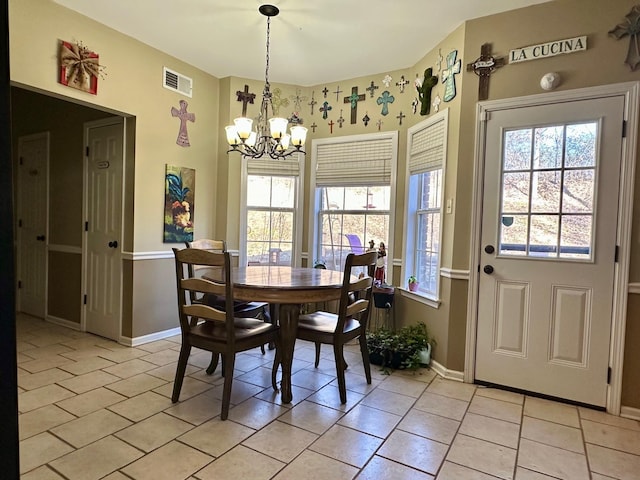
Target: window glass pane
(431,185)
(282,226)
(333,198)
(517,149)
(545,194)
(514,230)
(549,146)
(515,196)
(258,227)
(258,191)
(577,195)
(581,145)
(575,239)
(544,236)
(283,192)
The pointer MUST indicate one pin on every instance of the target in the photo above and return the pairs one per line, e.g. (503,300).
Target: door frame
(631,93)
(122,121)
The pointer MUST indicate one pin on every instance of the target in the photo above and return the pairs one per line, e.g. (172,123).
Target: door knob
(488,269)
(113,244)
(489,249)
(40,238)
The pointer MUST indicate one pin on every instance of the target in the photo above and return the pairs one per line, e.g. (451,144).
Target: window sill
(420,297)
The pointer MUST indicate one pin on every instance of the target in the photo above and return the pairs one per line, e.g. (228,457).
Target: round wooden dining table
(288,287)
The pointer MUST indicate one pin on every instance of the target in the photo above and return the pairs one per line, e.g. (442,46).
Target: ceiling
(312,42)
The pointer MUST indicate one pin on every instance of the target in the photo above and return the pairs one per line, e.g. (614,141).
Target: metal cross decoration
(630,27)
(325,91)
(313,101)
(354,98)
(400,116)
(448,76)
(313,127)
(338,92)
(325,109)
(245,97)
(331,124)
(414,105)
(366,119)
(402,83)
(277,101)
(440,59)
(372,88)
(385,100)
(340,119)
(297,99)
(379,124)
(484,66)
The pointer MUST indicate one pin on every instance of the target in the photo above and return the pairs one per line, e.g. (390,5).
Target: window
(271,192)
(353,196)
(426,153)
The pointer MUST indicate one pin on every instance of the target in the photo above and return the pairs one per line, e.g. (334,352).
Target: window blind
(427,147)
(355,162)
(265,165)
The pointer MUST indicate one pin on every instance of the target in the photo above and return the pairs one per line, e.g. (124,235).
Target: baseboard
(445,373)
(152,337)
(630,412)
(62,322)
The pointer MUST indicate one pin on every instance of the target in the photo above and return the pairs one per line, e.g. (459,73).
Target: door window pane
(517,149)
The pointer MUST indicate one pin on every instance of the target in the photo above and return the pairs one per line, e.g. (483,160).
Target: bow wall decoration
(79,67)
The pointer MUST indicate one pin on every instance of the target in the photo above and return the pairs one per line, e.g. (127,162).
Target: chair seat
(325,322)
(244,328)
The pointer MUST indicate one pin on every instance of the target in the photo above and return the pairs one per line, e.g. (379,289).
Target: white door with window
(33,181)
(104,228)
(548,240)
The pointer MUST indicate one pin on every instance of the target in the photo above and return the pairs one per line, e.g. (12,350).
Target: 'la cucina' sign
(549,49)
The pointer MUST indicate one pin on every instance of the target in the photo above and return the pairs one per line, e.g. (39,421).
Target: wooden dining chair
(259,310)
(214,328)
(350,322)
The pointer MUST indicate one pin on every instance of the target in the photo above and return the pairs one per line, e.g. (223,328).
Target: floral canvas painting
(179,204)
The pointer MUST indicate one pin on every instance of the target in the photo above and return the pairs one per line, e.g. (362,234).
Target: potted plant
(413,283)
(408,348)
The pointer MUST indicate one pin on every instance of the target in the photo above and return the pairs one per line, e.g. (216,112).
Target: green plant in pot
(413,283)
(408,348)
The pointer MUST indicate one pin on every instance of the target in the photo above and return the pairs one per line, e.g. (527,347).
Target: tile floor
(90,409)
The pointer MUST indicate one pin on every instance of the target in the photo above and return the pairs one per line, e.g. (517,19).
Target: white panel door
(33,180)
(104,229)
(549,222)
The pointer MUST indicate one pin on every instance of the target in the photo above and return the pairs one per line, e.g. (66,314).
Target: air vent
(177,82)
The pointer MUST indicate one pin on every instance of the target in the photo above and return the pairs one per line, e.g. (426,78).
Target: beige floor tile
(552,461)
(490,407)
(380,468)
(299,395)
(88,381)
(452,389)
(116,476)
(357,382)
(611,437)
(597,476)
(414,451)
(241,463)
(281,441)
(255,413)
(135,385)
(41,473)
(85,430)
(491,429)
(41,449)
(453,471)
(154,431)
(260,376)
(613,463)
(524,474)
(428,425)
(603,417)
(44,363)
(330,397)
(370,420)
(31,381)
(161,358)
(498,394)
(311,379)
(119,355)
(311,416)
(41,352)
(170,462)
(130,368)
(142,406)
(551,411)
(91,401)
(443,406)
(196,410)
(190,388)
(86,365)
(484,456)
(347,445)
(404,385)
(42,396)
(168,372)
(41,420)
(156,346)
(553,434)
(85,353)
(313,466)
(388,401)
(240,391)
(216,437)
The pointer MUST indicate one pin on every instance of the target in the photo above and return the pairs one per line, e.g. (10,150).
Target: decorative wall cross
(331,124)
(354,98)
(385,100)
(366,119)
(414,105)
(436,103)
(402,83)
(630,27)
(424,90)
(325,91)
(484,66)
(297,99)
(313,127)
(400,116)
(448,76)
(338,92)
(340,119)
(325,109)
(387,80)
(184,116)
(245,97)
(312,102)
(379,124)
(440,59)
(372,88)
(277,101)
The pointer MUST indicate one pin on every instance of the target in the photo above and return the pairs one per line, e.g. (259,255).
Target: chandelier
(269,137)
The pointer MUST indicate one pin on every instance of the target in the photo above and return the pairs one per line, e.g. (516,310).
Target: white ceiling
(312,42)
